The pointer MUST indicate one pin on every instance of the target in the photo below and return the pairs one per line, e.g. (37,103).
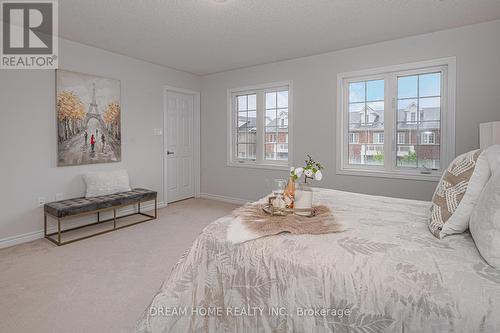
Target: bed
(385,273)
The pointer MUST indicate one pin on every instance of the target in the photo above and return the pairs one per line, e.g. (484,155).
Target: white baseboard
(217,197)
(23,238)
(31,236)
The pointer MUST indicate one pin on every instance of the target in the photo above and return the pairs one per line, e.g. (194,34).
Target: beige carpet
(101,284)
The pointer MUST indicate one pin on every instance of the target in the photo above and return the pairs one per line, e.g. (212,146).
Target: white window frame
(260,162)
(390,73)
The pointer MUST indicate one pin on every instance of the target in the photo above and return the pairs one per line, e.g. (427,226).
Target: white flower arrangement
(312,170)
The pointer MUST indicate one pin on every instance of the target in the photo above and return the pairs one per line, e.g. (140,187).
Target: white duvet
(385,273)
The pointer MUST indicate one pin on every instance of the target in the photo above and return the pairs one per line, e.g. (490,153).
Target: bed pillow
(485,222)
(457,193)
(104,183)
(493,156)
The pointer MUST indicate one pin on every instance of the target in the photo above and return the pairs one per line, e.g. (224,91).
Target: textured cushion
(485,222)
(82,205)
(108,182)
(486,163)
(448,205)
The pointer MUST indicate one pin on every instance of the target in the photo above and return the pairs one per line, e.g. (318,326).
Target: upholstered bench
(64,209)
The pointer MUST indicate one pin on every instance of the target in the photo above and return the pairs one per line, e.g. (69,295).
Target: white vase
(303,200)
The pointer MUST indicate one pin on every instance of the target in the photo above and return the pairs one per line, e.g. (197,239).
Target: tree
(112,118)
(70,112)
(379,157)
(411,157)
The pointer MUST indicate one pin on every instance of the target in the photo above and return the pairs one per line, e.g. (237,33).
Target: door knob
(170,152)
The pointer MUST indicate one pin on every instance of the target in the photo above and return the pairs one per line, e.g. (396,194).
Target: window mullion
(390,122)
(260,127)
(234,128)
(445,121)
(345,125)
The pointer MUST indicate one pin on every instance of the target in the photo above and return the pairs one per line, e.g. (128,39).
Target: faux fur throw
(251,222)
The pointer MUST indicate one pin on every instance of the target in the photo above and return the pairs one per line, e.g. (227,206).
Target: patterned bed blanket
(385,273)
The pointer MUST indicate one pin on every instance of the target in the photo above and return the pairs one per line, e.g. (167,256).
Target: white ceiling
(204,36)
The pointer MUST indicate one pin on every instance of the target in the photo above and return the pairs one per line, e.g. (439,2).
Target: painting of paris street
(88,119)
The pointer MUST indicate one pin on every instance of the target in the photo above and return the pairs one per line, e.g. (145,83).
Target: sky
(409,89)
(276,102)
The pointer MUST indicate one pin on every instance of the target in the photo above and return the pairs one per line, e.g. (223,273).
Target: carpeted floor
(101,284)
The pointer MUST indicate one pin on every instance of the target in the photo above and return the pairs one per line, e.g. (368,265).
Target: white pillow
(104,183)
(485,164)
(493,156)
(485,222)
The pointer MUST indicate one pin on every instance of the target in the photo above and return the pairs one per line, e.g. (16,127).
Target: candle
(303,202)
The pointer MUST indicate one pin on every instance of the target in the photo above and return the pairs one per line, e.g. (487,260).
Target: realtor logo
(29,34)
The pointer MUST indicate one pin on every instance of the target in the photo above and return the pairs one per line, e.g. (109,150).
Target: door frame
(196,138)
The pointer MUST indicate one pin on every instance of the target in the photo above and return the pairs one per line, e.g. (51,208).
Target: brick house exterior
(417,142)
(276,137)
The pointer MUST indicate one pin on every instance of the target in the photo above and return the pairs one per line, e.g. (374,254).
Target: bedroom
(207,105)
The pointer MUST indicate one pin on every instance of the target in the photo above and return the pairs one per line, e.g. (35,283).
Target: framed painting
(88,119)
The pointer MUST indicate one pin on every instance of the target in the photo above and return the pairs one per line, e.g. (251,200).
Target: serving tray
(271,210)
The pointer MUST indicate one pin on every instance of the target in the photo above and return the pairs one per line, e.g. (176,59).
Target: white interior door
(179,146)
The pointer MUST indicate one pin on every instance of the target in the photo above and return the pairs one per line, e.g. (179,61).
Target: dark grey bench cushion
(82,205)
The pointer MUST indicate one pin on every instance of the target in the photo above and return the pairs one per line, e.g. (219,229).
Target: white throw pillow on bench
(106,182)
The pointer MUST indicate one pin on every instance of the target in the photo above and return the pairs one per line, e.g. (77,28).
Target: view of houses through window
(262,128)
(418,120)
(366,122)
(276,126)
(246,141)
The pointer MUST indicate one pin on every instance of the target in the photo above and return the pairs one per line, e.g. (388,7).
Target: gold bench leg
(59,231)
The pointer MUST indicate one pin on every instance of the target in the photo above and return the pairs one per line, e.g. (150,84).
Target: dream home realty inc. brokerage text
(250,311)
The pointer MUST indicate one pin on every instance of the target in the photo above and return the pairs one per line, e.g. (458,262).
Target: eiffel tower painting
(92,112)
(89,119)
(93,103)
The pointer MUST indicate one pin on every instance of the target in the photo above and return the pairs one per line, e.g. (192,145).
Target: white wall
(28,118)
(477,50)
(28,132)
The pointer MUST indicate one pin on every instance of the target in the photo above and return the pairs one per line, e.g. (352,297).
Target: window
(378,137)
(391,120)
(428,138)
(420,93)
(259,126)
(353,137)
(401,138)
(413,117)
(246,116)
(366,113)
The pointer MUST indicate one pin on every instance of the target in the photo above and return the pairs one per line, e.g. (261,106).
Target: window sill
(259,166)
(434,177)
